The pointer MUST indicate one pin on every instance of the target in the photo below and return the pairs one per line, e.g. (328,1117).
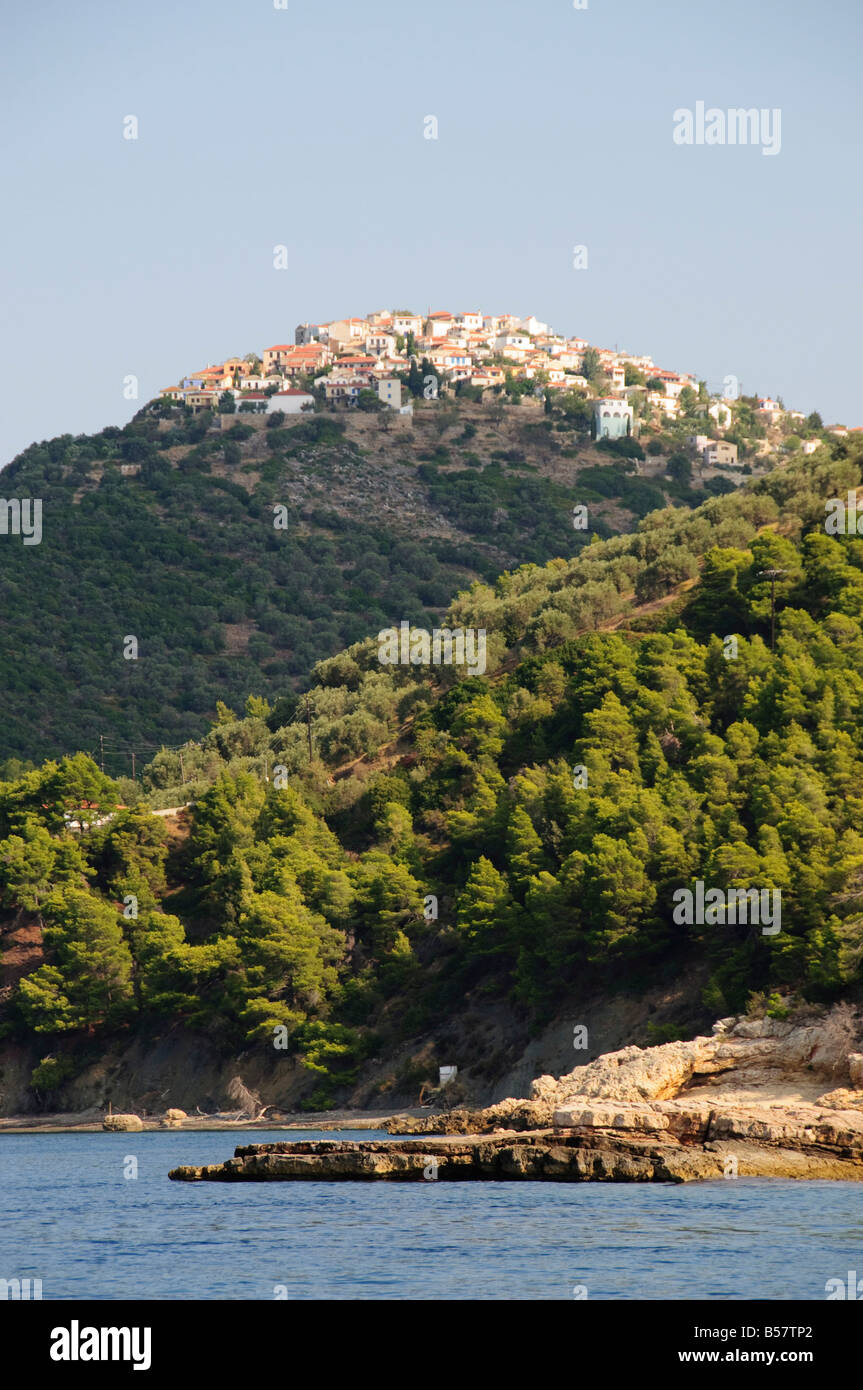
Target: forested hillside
(167,532)
(519,835)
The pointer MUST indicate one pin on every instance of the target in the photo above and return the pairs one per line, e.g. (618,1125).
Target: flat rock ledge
(584,1153)
(541,1155)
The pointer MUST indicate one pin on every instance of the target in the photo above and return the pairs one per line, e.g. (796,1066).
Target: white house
(808,446)
(569,358)
(668,405)
(381,342)
(769,410)
(291,402)
(256,383)
(439,324)
(450,357)
(613,417)
(499,323)
(504,342)
(408,323)
(533,326)
(721,413)
(672,382)
(257,400)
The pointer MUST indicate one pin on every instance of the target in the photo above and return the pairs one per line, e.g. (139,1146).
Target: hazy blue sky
(304,126)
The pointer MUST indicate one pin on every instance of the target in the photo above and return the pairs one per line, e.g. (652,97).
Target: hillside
(165,531)
(467,864)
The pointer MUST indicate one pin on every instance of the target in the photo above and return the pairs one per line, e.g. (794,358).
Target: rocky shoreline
(748,1101)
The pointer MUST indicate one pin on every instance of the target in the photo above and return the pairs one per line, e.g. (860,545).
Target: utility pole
(309,726)
(182,769)
(102,751)
(772,576)
(133,766)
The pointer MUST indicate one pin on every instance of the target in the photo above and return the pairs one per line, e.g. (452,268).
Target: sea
(94,1216)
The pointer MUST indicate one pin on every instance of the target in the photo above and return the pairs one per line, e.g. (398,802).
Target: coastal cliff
(748,1101)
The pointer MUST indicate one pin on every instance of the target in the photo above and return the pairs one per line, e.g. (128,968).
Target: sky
(305,127)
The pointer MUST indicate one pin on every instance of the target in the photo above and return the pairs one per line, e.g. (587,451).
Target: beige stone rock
(855,1067)
(842,1099)
(123,1123)
(586,1116)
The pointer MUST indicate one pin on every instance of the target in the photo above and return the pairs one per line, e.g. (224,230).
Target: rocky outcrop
(506,1115)
(584,1153)
(755,1088)
(751,1053)
(536,1156)
(762,1060)
(747,1101)
(123,1123)
(173,1118)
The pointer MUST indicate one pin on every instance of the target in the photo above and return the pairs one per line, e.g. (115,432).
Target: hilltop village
(387,359)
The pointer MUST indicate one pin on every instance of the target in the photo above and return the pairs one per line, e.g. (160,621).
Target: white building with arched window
(613,418)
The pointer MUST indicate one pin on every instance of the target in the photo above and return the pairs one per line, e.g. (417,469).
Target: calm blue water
(69,1217)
